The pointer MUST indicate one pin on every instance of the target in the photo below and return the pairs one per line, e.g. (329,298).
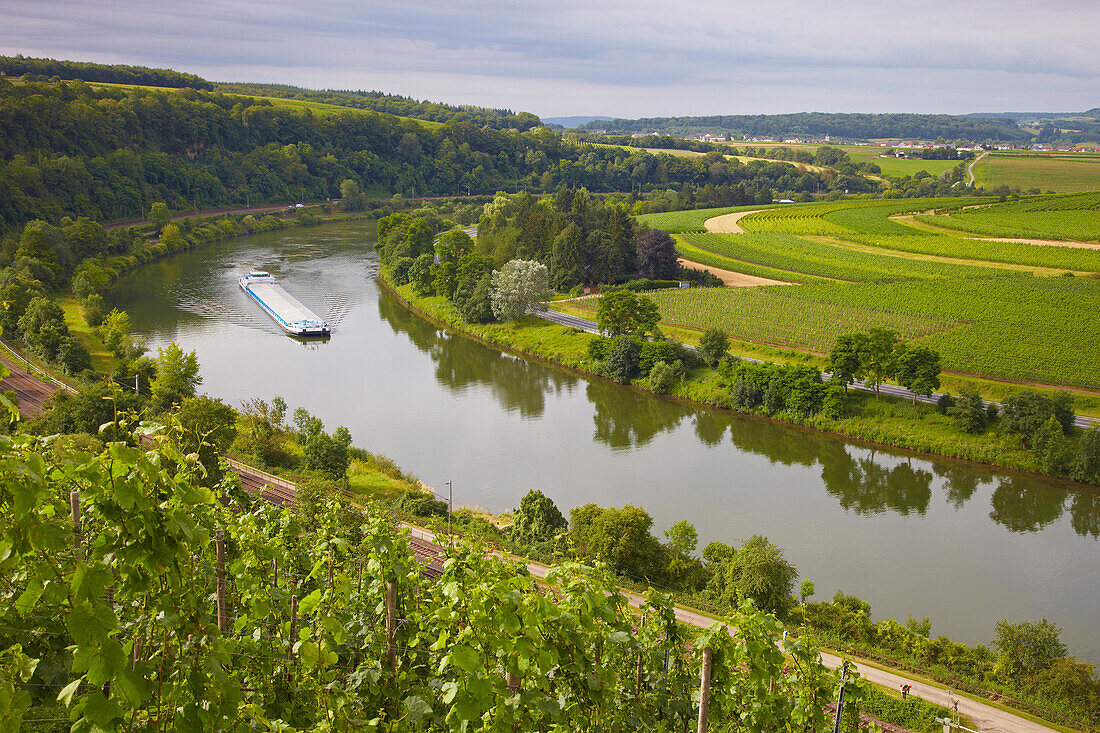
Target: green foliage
(1026,411)
(1028,647)
(713,345)
(420,274)
(880,356)
(517,287)
(662,377)
(622,360)
(159,215)
(683,537)
(177,376)
(208,428)
(969,412)
(918,370)
(619,537)
(757,571)
(537,519)
(325,453)
(351,198)
(624,312)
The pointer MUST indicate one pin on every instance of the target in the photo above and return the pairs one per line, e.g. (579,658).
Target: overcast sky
(625,58)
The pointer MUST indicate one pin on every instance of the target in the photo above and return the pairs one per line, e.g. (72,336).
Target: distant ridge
(575,120)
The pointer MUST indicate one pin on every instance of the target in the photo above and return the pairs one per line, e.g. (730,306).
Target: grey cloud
(684,49)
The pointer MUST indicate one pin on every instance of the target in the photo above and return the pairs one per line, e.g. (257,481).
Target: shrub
(622,360)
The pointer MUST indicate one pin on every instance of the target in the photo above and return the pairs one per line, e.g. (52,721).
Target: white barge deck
(288,312)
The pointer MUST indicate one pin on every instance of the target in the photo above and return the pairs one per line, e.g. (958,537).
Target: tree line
(858,126)
(71,149)
(42,69)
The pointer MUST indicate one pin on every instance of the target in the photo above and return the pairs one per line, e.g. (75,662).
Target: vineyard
(856,267)
(1073,217)
(824,260)
(134,599)
(1051,257)
(785,316)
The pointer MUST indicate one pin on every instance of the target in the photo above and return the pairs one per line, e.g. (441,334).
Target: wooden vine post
(219,545)
(391,624)
(704,689)
(78,526)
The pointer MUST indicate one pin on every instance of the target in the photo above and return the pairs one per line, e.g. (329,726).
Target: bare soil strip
(727,223)
(733,279)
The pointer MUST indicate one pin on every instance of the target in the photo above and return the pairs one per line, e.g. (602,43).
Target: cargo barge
(291,315)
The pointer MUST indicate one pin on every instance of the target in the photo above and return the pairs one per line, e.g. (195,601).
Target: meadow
(992,309)
(1057,172)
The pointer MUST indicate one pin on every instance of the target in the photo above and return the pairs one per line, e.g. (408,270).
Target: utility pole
(450,511)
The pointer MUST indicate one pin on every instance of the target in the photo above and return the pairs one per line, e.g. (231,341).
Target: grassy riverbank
(882,421)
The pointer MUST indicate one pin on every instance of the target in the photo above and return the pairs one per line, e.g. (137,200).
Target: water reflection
(1023,505)
(460,363)
(626,419)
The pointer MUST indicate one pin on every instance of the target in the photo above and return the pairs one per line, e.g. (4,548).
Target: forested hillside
(73,149)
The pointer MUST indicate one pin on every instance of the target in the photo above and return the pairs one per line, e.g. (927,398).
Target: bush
(599,348)
(400,270)
(713,346)
(944,403)
(655,351)
(622,360)
(661,378)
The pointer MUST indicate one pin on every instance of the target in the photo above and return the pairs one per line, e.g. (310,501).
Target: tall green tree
(177,376)
(625,312)
(879,358)
(846,360)
(918,370)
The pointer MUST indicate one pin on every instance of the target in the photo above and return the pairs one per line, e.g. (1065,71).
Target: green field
(1070,217)
(975,301)
(1061,173)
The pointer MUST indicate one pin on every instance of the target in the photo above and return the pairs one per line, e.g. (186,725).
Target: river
(959,543)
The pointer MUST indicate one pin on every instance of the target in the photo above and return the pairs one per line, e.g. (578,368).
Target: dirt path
(970,168)
(733,279)
(727,223)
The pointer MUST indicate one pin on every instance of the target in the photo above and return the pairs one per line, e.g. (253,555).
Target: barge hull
(287,311)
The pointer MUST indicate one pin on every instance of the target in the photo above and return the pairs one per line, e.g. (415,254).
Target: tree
(969,412)
(657,257)
(159,215)
(759,572)
(518,287)
(1026,411)
(918,371)
(880,357)
(846,359)
(683,537)
(625,312)
(176,378)
(1086,464)
(208,427)
(569,258)
(420,274)
(619,537)
(622,360)
(115,330)
(352,198)
(713,345)
(805,590)
(478,308)
(1028,647)
(537,519)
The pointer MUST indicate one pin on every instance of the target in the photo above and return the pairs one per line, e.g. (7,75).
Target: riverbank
(882,422)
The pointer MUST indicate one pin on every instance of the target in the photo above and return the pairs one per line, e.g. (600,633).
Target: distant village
(902,149)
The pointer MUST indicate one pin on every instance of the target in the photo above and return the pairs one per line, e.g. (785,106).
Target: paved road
(887,389)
